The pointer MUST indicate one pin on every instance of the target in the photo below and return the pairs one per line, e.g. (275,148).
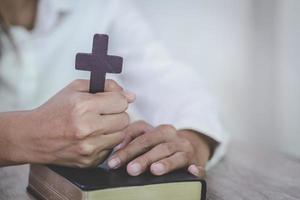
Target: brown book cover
(63,183)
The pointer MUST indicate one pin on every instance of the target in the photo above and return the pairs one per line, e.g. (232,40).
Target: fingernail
(114,163)
(158,168)
(134,169)
(194,170)
(129,95)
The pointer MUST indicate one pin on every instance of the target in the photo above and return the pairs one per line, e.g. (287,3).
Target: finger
(91,124)
(107,103)
(111,140)
(111,123)
(196,170)
(83,85)
(137,147)
(112,86)
(166,165)
(140,164)
(134,130)
(94,144)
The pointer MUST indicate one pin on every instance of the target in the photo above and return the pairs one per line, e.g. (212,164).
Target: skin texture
(161,149)
(73,128)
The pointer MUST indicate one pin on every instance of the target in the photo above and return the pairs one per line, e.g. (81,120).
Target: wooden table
(247,172)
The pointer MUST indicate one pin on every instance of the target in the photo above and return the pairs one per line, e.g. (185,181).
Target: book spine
(48,185)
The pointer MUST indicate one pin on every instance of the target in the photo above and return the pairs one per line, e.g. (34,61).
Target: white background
(249,51)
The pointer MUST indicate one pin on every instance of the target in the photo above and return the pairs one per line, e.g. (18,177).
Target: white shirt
(168,92)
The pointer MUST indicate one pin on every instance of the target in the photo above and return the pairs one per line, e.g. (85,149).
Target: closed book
(63,183)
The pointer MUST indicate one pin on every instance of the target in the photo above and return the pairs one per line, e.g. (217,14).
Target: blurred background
(248,50)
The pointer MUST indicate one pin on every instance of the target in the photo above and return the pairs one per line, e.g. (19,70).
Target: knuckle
(186,145)
(78,104)
(168,132)
(167,129)
(80,130)
(144,125)
(86,149)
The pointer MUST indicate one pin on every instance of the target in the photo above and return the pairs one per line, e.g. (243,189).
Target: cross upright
(98,63)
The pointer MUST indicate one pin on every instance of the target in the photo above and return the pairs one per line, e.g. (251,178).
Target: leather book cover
(100,178)
(96,179)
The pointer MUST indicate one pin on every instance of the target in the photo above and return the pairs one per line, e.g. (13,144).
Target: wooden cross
(98,63)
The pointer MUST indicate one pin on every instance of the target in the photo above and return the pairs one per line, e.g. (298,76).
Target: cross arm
(114,64)
(84,61)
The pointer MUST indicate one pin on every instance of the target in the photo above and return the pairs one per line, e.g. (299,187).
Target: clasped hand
(79,129)
(161,149)
(73,128)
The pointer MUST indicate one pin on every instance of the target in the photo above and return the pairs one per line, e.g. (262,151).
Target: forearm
(11,129)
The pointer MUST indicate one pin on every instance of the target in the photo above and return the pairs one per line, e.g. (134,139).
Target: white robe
(168,92)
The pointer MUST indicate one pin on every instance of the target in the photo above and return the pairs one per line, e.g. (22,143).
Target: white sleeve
(168,92)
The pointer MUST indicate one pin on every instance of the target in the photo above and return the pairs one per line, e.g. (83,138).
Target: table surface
(247,172)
